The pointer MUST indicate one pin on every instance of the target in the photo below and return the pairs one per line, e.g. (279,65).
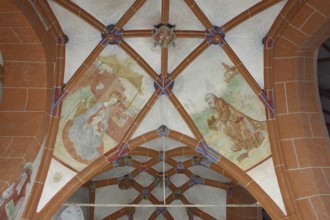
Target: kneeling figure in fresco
(245,132)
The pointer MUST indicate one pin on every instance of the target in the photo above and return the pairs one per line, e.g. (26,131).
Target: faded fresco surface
(100,109)
(226,128)
(228,113)
(12,198)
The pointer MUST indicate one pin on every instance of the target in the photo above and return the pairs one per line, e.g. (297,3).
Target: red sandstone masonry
(24,112)
(304,140)
(286,47)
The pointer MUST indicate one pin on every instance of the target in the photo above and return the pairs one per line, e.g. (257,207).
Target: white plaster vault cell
(219,11)
(179,179)
(163,113)
(112,195)
(145,48)
(158,192)
(181,49)
(83,38)
(265,176)
(58,175)
(106,11)
(178,213)
(144,179)
(160,143)
(141,159)
(183,18)
(210,196)
(150,15)
(161,167)
(146,17)
(246,40)
(182,158)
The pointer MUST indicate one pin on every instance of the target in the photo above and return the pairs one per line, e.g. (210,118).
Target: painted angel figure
(245,133)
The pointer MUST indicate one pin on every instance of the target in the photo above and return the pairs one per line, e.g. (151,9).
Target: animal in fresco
(245,132)
(12,197)
(89,125)
(231,71)
(122,70)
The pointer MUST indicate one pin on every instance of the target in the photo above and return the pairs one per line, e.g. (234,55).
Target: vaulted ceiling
(160,83)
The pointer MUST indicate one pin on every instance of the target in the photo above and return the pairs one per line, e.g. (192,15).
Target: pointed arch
(222,166)
(297,35)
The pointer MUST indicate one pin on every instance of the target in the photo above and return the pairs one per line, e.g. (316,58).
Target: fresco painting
(228,114)
(99,110)
(12,198)
(244,133)
(236,135)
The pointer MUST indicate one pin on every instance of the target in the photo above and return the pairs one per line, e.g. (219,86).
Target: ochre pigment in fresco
(99,110)
(228,123)
(244,132)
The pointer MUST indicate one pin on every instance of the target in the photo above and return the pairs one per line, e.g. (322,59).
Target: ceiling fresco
(163,76)
(100,109)
(224,108)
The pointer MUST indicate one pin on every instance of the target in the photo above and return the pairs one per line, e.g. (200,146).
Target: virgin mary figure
(89,126)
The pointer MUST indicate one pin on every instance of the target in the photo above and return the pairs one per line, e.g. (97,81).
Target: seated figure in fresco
(245,132)
(89,124)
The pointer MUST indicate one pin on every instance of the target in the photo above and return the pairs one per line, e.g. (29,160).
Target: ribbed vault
(146,192)
(139,67)
(164,109)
